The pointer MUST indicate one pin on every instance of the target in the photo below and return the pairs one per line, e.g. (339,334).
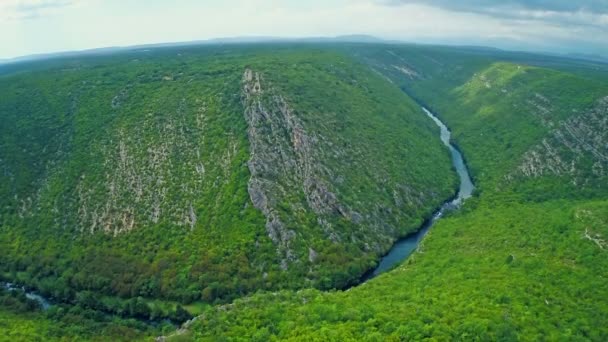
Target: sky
(563,26)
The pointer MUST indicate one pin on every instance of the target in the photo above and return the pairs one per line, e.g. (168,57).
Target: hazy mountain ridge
(354,38)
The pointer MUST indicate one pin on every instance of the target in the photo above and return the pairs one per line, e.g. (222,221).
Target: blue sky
(41,26)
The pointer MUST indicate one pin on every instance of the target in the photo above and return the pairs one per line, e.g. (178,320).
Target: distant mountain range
(354,38)
(227,40)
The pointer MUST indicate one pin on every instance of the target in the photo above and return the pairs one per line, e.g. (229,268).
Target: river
(404,247)
(43,302)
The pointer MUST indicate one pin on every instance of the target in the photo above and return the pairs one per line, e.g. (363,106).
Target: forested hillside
(523,260)
(249,185)
(134,183)
(525,126)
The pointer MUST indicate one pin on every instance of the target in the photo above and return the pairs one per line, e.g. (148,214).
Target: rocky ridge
(282,159)
(576,147)
(297,172)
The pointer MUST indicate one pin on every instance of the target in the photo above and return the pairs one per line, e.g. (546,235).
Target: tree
(180,315)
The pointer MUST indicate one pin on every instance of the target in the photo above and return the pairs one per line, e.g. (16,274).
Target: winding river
(404,247)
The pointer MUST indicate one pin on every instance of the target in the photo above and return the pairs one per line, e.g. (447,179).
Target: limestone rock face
(282,161)
(576,147)
(297,172)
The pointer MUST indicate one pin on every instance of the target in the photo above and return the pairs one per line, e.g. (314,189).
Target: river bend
(404,247)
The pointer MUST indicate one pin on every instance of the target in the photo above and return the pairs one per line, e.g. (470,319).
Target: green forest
(245,191)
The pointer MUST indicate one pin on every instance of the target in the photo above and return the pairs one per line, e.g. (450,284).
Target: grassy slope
(81,136)
(514,263)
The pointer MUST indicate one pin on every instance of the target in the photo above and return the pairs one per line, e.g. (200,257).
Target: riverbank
(403,248)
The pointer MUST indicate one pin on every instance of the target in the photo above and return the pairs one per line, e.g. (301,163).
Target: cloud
(30,9)
(592,6)
(82,24)
(589,13)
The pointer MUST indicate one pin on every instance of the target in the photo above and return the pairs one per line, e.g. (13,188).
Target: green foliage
(71,324)
(523,260)
(498,108)
(123,179)
(458,286)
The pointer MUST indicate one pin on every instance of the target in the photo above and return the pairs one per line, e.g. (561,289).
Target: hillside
(513,117)
(249,185)
(523,260)
(198,175)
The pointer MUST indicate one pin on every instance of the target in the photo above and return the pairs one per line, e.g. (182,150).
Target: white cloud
(28,9)
(69,25)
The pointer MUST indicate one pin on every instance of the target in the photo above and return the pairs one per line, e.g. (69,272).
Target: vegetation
(160,184)
(522,260)
(126,185)
(21,319)
(492,272)
(499,110)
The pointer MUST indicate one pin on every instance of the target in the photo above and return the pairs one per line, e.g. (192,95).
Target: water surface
(44,303)
(404,247)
